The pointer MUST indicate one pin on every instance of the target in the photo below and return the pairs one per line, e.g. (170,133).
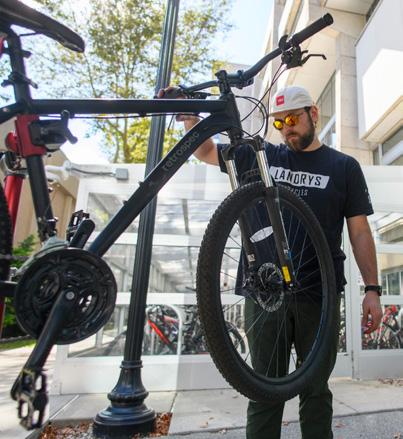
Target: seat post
(17,77)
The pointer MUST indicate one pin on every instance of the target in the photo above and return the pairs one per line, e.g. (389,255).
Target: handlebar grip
(312,29)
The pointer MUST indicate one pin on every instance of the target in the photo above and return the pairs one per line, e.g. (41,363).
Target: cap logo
(280,100)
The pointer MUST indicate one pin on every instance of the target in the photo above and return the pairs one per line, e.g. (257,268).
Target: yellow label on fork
(286,274)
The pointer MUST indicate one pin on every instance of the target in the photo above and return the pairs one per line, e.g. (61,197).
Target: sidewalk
(362,409)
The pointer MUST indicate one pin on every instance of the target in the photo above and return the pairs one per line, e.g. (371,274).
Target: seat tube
(12,192)
(40,196)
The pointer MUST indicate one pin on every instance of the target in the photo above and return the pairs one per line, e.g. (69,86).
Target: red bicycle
(388,335)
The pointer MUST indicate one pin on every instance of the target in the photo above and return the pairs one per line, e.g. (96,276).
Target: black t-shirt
(330,182)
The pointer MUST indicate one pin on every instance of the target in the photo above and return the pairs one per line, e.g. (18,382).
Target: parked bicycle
(64,293)
(162,332)
(388,335)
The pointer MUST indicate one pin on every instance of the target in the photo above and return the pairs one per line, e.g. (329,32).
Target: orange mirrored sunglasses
(290,120)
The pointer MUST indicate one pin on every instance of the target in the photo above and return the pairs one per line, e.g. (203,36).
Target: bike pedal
(32,398)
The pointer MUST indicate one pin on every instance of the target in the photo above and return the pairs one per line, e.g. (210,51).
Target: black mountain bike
(65,293)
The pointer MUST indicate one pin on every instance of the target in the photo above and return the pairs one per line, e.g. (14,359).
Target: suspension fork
(228,156)
(272,200)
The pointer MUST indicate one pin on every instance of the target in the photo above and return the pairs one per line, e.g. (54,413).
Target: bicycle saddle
(15,12)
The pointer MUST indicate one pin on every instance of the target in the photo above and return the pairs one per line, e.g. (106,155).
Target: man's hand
(371,312)
(176,93)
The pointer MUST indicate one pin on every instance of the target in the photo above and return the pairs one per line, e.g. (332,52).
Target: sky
(242,45)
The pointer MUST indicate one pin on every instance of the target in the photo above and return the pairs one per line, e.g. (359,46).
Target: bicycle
(388,335)
(64,293)
(165,324)
(162,332)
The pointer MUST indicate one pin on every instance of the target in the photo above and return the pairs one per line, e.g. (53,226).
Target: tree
(121,59)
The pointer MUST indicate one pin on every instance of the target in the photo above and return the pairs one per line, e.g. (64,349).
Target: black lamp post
(127,414)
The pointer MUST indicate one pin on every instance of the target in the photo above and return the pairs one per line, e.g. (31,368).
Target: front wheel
(286,332)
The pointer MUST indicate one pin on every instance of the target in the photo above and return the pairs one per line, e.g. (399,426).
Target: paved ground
(362,409)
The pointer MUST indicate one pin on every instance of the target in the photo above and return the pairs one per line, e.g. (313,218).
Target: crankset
(63,296)
(81,275)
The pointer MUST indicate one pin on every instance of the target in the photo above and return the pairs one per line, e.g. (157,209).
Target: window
(390,152)
(392,281)
(393,140)
(327,108)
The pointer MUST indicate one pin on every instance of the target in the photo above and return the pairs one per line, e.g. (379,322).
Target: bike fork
(272,200)
(273,208)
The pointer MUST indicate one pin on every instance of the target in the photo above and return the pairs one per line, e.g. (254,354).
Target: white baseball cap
(290,98)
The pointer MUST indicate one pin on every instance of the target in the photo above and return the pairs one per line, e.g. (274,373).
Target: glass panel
(389,335)
(173,269)
(161,332)
(174,216)
(102,207)
(342,333)
(393,281)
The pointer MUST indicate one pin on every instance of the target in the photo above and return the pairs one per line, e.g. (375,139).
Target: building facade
(358,90)
(359,87)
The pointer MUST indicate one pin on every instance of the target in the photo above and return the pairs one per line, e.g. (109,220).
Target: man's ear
(314,113)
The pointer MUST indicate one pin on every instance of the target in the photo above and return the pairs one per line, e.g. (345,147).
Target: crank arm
(29,389)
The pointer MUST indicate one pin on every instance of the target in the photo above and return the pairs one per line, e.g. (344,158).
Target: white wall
(379,72)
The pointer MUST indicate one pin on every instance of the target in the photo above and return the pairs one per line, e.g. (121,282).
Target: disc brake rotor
(84,273)
(270,294)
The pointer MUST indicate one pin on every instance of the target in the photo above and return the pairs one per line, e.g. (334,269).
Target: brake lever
(304,60)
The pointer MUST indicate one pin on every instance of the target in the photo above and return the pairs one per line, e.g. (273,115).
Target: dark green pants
(315,407)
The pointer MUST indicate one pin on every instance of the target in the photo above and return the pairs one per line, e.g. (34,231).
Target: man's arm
(207,152)
(363,246)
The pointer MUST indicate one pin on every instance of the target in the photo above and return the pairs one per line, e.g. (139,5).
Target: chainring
(52,274)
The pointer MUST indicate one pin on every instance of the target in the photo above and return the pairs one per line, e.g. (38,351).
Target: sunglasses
(290,120)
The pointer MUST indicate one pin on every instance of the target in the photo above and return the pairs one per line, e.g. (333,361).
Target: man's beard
(301,142)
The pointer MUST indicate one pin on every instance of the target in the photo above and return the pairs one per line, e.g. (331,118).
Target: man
(342,194)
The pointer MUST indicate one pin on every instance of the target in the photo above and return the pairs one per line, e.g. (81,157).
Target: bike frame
(223,116)
(218,121)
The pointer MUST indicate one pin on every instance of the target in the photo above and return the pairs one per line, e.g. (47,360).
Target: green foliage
(16,344)
(123,40)
(20,253)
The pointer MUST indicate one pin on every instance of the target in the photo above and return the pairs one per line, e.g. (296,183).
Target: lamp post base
(127,413)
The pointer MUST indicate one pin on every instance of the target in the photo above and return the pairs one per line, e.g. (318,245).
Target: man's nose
(286,129)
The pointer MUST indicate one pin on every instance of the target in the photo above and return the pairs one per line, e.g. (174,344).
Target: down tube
(157,178)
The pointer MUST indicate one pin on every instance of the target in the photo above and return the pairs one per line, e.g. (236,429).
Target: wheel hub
(270,291)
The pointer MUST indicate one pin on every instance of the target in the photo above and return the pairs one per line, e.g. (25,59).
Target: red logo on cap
(280,100)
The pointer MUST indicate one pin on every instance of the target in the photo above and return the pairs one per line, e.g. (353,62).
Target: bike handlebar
(243,78)
(312,29)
